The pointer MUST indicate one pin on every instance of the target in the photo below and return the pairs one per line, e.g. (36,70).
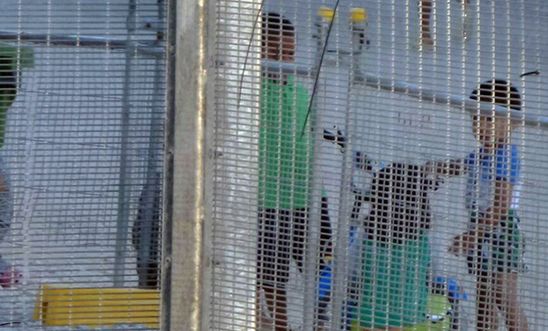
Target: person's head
(490,129)
(277,38)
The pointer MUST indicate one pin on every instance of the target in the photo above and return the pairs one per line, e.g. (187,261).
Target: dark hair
(500,92)
(277,23)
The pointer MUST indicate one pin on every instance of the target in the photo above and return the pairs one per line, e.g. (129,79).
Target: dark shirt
(400,205)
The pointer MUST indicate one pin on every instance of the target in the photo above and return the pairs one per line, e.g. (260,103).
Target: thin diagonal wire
(248,51)
(320,63)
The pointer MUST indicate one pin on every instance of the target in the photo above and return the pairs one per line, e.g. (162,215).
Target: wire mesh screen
(83,107)
(379,165)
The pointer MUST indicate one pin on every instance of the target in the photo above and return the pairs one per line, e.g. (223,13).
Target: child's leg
(507,300)
(276,300)
(486,311)
(425,12)
(273,258)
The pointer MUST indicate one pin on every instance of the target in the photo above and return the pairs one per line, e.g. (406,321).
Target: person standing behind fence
(146,232)
(494,244)
(285,155)
(8,92)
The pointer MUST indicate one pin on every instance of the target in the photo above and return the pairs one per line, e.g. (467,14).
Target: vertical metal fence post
(316,188)
(341,268)
(155,140)
(122,222)
(183,253)
(167,224)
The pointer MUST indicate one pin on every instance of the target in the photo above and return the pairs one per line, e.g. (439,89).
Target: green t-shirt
(7,94)
(284,153)
(12,60)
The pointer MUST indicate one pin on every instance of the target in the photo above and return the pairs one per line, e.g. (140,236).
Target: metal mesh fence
(83,90)
(379,164)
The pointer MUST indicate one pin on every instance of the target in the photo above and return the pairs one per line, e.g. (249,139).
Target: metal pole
(341,259)
(155,142)
(122,222)
(340,274)
(185,139)
(315,195)
(81,41)
(168,189)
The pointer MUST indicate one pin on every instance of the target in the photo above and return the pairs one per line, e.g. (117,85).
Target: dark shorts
(282,236)
(500,250)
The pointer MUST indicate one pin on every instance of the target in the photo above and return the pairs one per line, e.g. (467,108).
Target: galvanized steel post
(122,220)
(183,229)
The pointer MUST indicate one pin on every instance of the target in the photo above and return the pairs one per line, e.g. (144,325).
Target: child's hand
(462,243)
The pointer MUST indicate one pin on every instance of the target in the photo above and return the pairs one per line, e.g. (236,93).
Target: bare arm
(499,209)
(425,12)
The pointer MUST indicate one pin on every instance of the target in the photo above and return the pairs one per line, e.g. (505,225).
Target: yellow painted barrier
(438,305)
(63,306)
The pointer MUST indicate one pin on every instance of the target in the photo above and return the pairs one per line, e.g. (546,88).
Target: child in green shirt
(285,158)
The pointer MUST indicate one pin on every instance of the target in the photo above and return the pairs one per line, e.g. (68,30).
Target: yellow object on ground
(439,320)
(62,306)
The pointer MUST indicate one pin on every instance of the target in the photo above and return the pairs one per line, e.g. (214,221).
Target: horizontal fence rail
(416,92)
(82,41)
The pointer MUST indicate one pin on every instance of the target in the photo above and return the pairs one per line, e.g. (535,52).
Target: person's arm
(507,177)
(446,168)
(488,220)
(425,10)
(499,209)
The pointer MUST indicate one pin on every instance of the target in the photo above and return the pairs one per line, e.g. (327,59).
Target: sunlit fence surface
(379,164)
